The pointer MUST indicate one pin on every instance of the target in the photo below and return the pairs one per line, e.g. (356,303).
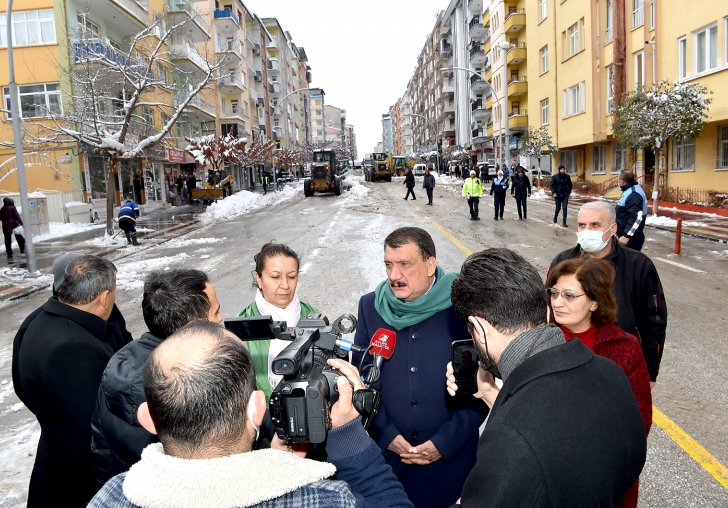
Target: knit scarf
(526,345)
(400,314)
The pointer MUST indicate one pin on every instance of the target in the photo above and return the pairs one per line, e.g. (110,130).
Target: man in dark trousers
(61,359)
(11,219)
(428,183)
(641,305)
(171,300)
(191,184)
(631,212)
(561,190)
(128,214)
(521,189)
(427,438)
(565,428)
(409,182)
(498,190)
(137,183)
(264,181)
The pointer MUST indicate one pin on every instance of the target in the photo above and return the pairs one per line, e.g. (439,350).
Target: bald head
(198,383)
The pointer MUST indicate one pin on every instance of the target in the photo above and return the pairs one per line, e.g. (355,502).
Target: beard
(487,362)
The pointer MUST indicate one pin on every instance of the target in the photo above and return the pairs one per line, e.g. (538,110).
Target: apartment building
(388,131)
(335,125)
(301,73)
(351,141)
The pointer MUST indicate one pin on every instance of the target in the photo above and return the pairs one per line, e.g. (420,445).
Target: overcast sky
(362,53)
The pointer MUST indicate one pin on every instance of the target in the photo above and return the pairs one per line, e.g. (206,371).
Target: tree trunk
(656,183)
(539,173)
(111,194)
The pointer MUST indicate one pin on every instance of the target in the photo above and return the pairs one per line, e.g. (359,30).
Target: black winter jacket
(117,437)
(630,215)
(561,185)
(521,186)
(532,454)
(641,306)
(409,180)
(9,216)
(61,360)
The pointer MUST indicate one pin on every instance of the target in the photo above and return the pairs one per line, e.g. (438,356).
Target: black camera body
(301,402)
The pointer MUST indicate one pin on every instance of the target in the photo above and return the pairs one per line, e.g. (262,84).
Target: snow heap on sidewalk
(539,195)
(244,201)
(58,230)
(356,190)
(659,220)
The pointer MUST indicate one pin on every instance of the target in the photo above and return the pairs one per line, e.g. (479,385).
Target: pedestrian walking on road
(128,214)
(428,184)
(521,189)
(264,181)
(631,212)
(137,184)
(409,181)
(498,190)
(561,190)
(473,189)
(12,225)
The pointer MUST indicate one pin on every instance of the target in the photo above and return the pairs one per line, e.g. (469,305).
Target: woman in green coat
(276,276)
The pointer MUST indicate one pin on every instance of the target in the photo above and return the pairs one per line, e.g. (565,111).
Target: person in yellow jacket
(473,190)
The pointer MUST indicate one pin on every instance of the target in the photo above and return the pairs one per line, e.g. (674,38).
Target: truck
(323,174)
(210,192)
(397,164)
(380,171)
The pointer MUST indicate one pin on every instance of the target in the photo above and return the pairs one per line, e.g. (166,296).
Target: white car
(419,169)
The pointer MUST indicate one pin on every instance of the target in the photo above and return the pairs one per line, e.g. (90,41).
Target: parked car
(419,169)
(545,176)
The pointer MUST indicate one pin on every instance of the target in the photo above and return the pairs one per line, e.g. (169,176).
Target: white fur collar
(246,479)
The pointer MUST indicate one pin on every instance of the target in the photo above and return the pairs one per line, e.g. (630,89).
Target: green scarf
(399,314)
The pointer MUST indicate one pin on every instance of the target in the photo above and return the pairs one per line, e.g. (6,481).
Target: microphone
(381,348)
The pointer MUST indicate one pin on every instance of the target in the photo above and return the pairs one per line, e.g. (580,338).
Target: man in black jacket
(171,300)
(561,190)
(565,429)
(641,306)
(60,362)
(520,189)
(631,212)
(409,182)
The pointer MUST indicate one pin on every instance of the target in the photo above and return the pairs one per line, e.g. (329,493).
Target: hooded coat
(10,216)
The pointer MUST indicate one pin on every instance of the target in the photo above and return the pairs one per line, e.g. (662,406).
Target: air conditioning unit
(256,48)
(258,76)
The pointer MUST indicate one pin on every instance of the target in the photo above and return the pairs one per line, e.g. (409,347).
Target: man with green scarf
(428,438)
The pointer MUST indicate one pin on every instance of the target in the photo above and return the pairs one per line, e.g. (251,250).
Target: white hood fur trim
(246,479)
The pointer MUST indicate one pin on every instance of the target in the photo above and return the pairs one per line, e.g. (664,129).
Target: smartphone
(465,364)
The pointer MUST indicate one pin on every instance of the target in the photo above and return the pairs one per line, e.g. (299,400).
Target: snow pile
(704,214)
(446,179)
(356,190)
(244,201)
(16,276)
(58,230)
(131,275)
(36,195)
(76,203)
(176,243)
(671,223)
(539,195)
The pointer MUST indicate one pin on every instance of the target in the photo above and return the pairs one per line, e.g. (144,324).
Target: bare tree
(110,96)
(534,143)
(288,159)
(255,153)
(216,151)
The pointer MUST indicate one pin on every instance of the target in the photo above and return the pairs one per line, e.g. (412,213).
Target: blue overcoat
(415,404)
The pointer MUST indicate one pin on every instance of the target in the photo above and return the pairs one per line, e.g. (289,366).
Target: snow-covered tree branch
(534,143)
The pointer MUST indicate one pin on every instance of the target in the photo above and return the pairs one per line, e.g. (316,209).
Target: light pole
(435,131)
(505,47)
(502,145)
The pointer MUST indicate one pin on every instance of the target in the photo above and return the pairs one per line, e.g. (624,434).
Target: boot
(565,225)
(134,239)
(128,237)
(525,215)
(556,218)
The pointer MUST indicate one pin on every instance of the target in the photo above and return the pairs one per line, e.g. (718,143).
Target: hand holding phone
(464,366)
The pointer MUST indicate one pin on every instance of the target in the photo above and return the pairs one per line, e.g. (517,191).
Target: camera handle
(366,402)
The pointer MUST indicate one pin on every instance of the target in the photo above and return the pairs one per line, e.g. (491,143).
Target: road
(339,240)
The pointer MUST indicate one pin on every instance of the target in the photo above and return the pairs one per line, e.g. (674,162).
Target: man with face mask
(565,429)
(642,310)
(428,439)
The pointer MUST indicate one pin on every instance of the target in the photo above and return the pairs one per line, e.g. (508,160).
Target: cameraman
(199,383)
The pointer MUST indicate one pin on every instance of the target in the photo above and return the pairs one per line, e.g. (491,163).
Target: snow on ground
(58,230)
(16,445)
(244,201)
(176,243)
(539,195)
(705,214)
(447,179)
(356,189)
(668,222)
(17,276)
(117,238)
(131,275)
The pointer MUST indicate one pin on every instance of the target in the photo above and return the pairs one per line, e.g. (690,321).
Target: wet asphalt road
(340,240)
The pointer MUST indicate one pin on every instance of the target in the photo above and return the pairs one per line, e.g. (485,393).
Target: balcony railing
(512,13)
(196,102)
(231,46)
(227,13)
(475,22)
(477,105)
(89,50)
(518,112)
(475,49)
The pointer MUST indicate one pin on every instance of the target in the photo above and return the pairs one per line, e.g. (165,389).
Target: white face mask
(591,240)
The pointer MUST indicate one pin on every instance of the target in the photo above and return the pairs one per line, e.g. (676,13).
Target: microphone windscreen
(383,343)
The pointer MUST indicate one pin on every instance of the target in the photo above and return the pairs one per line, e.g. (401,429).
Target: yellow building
(583,53)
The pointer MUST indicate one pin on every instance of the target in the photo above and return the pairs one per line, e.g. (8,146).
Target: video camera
(300,404)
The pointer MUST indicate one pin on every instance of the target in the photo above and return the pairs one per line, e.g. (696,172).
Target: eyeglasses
(568,295)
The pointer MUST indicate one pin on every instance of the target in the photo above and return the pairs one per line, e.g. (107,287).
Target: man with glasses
(642,310)
(427,438)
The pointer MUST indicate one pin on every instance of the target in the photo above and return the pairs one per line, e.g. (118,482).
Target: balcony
(449,106)
(231,83)
(518,120)
(515,22)
(477,57)
(516,55)
(489,102)
(274,88)
(476,28)
(488,75)
(196,105)
(517,86)
(479,136)
(273,65)
(448,128)
(489,130)
(179,11)
(226,20)
(233,112)
(186,57)
(273,44)
(486,42)
(229,50)
(478,84)
(94,50)
(133,8)
(475,6)
(479,110)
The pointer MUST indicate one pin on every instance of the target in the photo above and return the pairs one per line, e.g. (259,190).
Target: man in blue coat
(428,438)
(128,214)
(631,212)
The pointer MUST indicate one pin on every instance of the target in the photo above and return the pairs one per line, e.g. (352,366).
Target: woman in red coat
(583,306)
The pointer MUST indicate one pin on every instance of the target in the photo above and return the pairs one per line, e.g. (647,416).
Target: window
(723,147)
(620,157)
(638,13)
(29,28)
(610,89)
(639,75)
(147,115)
(36,100)
(599,159)
(165,119)
(682,54)
(162,75)
(684,154)
(608,29)
(234,106)
(573,100)
(160,27)
(706,49)
(652,13)
(568,160)
(544,52)
(541,10)
(544,112)
(88,29)
(573,39)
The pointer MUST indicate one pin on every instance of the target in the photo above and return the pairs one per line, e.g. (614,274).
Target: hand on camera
(343,411)
(298,449)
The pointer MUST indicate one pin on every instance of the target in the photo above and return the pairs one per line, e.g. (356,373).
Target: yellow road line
(691,446)
(702,456)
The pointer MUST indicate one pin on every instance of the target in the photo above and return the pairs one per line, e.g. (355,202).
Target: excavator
(380,169)
(210,192)
(398,164)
